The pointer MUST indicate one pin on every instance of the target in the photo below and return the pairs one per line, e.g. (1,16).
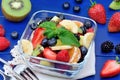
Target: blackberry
(117,48)
(107,46)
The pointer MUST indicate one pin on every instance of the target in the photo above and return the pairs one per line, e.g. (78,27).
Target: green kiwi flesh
(115,5)
(16,10)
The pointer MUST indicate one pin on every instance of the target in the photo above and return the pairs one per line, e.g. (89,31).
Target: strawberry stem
(117,0)
(92,3)
(117,60)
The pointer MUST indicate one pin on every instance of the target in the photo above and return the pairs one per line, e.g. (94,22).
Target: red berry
(49,54)
(114,23)
(111,68)
(37,37)
(97,12)
(90,30)
(2,31)
(4,43)
(63,55)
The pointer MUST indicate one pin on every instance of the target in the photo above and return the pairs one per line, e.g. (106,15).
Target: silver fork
(25,74)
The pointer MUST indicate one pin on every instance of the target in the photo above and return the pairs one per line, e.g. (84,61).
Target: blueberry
(83,50)
(33,26)
(44,42)
(38,21)
(81,59)
(78,1)
(117,48)
(77,36)
(52,41)
(61,16)
(76,9)
(82,30)
(48,18)
(66,5)
(88,24)
(14,34)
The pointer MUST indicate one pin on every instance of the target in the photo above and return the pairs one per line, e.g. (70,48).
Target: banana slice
(70,25)
(87,39)
(27,46)
(78,23)
(61,47)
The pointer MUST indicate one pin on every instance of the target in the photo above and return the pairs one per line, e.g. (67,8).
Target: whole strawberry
(114,23)
(4,43)
(63,56)
(97,12)
(2,31)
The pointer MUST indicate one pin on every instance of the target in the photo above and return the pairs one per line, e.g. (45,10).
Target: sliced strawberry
(49,54)
(2,31)
(111,68)
(37,37)
(63,55)
(90,30)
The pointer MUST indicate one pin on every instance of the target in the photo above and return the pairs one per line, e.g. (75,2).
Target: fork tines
(28,74)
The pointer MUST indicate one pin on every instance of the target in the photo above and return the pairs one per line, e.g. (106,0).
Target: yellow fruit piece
(75,55)
(88,37)
(78,23)
(69,25)
(59,43)
(81,40)
(61,47)
(46,63)
(27,46)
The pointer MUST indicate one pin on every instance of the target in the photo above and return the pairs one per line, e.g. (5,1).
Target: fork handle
(5,62)
(14,73)
(1,72)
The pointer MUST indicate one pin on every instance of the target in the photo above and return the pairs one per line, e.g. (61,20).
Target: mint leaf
(50,33)
(48,25)
(67,37)
(63,34)
(50,29)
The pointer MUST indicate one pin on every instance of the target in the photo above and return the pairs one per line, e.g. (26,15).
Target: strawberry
(114,23)
(4,43)
(90,30)
(111,68)
(49,54)
(37,37)
(97,12)
(63,56)
(2,31)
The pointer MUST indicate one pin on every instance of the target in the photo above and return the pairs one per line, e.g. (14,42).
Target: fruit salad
(57,41)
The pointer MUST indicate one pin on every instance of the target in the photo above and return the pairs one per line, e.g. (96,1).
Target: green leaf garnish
(63,34)
(67,37)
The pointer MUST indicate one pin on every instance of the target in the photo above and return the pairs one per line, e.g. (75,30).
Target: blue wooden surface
(56,5)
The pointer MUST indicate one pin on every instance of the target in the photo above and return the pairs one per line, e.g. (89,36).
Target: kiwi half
(16,10)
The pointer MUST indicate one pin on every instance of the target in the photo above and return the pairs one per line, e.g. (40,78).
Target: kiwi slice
(16,10)
(115,5)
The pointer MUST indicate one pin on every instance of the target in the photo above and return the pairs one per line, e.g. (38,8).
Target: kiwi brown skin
(13,18)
